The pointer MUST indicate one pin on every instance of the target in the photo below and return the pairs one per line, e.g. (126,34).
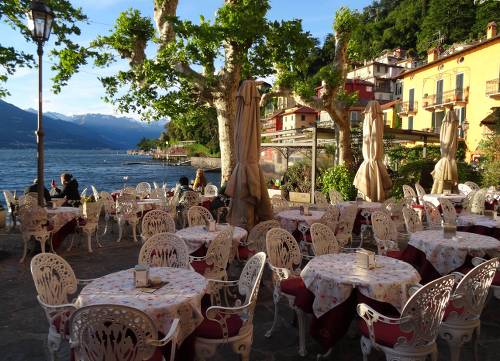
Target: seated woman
(69,190)
(200,182)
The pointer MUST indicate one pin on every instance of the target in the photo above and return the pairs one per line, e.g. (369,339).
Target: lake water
(103,168)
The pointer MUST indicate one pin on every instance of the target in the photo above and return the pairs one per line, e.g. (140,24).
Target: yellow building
(464,78)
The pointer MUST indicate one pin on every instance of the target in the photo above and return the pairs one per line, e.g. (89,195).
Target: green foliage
(147,144)
(411,172)
(199,150)
(490,159)
(339,178)
(297,178)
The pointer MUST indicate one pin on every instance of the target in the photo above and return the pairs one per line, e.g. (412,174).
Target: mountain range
(86,131)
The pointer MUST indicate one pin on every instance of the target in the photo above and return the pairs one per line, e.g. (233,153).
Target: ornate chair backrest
(472,291)
(257,236)
(128,190)
(388,203)
(219,249)
(464,189)
(158,193)
(211,190)
(346,220)
(420,192)
(92,210)
(95,193)
(108,202)
(126,205)
(198,216)
(33,218)
(383,226)
(155,185)
(323,240)
(282,249)
(449,212)
(478,200)
(320,199)
(143,189)
(335,196)
(29,200)
(164,250)
(248,283)
(409,192)
(156,221)
(472,185)
(112,332)
(467,202)
(84,192)
(9,199)
(331,217)
(413,222)
(425,310)
(54,278)
(432,215)
(189,199)
(279,203)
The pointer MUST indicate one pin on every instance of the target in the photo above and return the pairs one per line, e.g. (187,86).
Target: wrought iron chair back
(164,250)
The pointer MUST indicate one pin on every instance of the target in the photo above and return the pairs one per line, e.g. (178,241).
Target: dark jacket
(69,190)
(34,189)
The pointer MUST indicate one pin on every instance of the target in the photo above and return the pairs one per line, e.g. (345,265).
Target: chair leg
(25,249)
(134,231)
(455,339)
(243,347)
(53,343)
(89,240)
(366,347)
(276,299)
(301,319)
(71,243)
(325,355)
(120,230)
(42,245)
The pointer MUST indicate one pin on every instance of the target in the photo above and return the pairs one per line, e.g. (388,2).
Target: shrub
(297,178)
(339,178)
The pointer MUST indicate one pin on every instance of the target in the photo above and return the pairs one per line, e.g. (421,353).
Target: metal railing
(408,107)
(447,97)
(493,86)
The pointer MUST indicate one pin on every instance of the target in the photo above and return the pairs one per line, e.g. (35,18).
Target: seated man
(34,189)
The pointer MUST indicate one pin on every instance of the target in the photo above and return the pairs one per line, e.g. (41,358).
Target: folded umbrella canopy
(445,170)
(372,178)
(250,202)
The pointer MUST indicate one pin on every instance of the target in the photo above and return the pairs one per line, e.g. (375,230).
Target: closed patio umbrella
(445,170)
(250,202)
(372,178)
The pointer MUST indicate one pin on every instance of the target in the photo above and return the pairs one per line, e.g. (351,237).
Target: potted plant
(297,182)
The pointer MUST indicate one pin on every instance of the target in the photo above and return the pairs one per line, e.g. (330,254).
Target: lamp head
(40,19)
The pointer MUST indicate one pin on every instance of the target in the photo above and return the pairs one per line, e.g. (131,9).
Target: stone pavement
(23,327)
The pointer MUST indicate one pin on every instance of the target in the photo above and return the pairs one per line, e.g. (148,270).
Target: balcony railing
(493,88)
(408,108)
(450,97)
(383,89)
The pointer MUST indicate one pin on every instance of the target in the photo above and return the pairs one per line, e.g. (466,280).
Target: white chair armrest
(413,288)
(84,282)
(195,258)
(170,337)
(476,261)
(281,273)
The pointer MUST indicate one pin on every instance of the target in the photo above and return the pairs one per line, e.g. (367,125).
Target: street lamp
(40,19)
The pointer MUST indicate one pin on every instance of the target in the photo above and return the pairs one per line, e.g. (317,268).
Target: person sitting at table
(34,189)
(200,182)
(182,186)
(69,190)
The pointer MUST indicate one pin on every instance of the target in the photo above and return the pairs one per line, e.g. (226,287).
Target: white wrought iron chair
(432,216)
(34,224)
(109,206)
(495,286)
(129,190)
(84,192)
(323,240)
(386,234)
(187,200)
(472,185)
(89,223)
(155,185)
(284,259)
(29,199)
(164,250)
(331,217)
(467,202)
(413,223)
(233,321)
(12,205)
(256,240)
(116,332)
(477,206)
(395,210)
(462,316)
(420,193)
(213,265)
(279,203)
(55,282)
(464,189)
(127,212)
(449,212)
(156,221)
(211,190)
(346,224)
(335,196)
(95,193)
(413,335)
(320,199)
(198,216)
(143,189)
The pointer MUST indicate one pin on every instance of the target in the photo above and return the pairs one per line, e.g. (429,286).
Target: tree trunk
(226,113)
(345,151)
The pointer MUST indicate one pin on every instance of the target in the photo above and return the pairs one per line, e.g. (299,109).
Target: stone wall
(205,162)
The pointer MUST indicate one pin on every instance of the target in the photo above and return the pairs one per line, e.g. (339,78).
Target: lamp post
(40,18)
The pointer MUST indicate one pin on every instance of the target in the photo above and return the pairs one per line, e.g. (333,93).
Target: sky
(84,92)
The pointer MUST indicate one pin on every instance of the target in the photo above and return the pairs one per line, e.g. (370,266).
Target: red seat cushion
(451,308)
(496,279)
(394,254)
(245,252)
(303,297)
(385,334)
(212,329)
(58,324)
(200,266)
(417,206)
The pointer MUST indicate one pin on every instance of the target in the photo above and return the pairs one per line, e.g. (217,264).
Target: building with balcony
(464,78)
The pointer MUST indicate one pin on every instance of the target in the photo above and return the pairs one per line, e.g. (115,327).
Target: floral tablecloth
(363,205)
(197,236)
(291,218)
(332,278)
(446,255)
(60,216)
(470,219)
(456,199)
(179,298)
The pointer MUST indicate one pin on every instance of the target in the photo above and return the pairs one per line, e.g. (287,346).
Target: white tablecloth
(179,298)
(291,218)
(456,199)
(332,278)
(469,219)
(447,255)
(59,216)
(197,236)
(363,205)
